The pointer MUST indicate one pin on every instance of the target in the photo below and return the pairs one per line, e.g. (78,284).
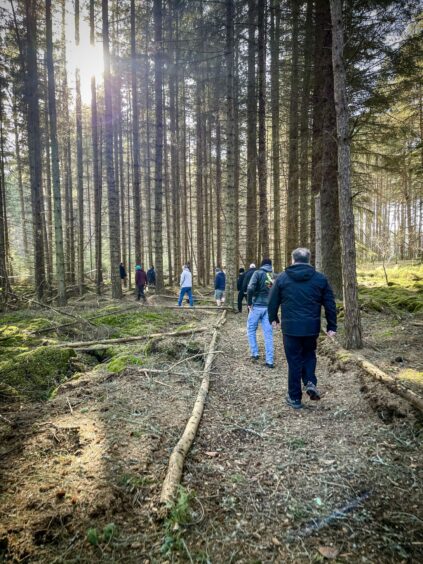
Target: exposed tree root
(336,352)
(176,461)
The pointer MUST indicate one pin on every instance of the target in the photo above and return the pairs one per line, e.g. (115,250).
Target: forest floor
(81,473)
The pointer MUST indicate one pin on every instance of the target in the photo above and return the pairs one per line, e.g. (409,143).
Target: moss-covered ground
(31,367)
(402,293)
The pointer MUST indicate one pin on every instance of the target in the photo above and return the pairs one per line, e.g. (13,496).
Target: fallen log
(177,458)
(85,344)
(334,350)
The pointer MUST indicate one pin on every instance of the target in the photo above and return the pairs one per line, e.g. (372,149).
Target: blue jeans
(182,293)
(301,357)
(259,314)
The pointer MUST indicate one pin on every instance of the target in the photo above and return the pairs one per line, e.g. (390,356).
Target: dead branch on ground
(177,458)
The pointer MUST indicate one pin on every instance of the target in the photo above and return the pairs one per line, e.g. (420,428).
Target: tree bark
(305,130)
(136,173)
(230,235)
(352,321)
(34,145)
(261,163)
(113,196)
(57,195)
(97,177)
(274,73)
(251,231)
(4,274)
(79,162)
(20,181)
(291,239)
(158,185)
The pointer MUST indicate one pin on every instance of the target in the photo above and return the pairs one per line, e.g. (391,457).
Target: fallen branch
(337,514)
(84,344)
(177,458)
(343,356)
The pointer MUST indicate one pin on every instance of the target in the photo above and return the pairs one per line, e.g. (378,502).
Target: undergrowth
(404,291)
(179,515)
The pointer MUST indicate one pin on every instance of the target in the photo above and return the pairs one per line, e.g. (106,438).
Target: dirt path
(80,476)
(263,472)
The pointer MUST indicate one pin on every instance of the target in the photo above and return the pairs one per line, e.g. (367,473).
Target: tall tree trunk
(20,181)
(174,137)
(218,187)
(4,274)
(237,168)
(324,158)
(251,232)
(97,177)
(136,174)
(199,176)
(329,198)
(47,197)
(305,129)
(34,145)
(230,238)
(261,163)
(147,153)
(353,339)
(274,74)
(292,197)
(113,196)
(79,162)
(158,185)
(167,196)
(69,211)
(57,194)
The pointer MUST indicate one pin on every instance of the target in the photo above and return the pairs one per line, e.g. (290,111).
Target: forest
(203,136)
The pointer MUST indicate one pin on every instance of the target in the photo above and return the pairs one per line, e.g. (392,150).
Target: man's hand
(250,307)
(331,334)
(275,324)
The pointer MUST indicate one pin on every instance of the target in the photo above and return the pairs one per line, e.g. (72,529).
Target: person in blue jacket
(302,291)
(219,287)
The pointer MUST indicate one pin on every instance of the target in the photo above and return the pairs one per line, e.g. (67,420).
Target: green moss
(411,375)
(36,373)
(121,361)
(133,324)
(381,298)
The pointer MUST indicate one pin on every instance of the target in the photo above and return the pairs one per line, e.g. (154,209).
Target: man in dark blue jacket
(302,291)
(219,286)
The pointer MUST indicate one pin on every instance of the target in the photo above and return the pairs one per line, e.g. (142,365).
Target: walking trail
(267,475)
(262,482)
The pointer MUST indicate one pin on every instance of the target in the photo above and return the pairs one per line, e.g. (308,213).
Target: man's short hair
(301,255)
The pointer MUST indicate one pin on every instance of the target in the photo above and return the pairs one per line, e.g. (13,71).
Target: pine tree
(112,192)
(57,194)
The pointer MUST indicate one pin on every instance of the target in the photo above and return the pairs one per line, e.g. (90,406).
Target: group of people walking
(142,279)
(299,292)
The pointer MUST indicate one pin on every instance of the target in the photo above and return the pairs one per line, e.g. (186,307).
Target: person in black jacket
(239,285)
(122,274)
(302,291)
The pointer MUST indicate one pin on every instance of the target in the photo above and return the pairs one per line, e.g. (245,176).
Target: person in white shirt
(186,286)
